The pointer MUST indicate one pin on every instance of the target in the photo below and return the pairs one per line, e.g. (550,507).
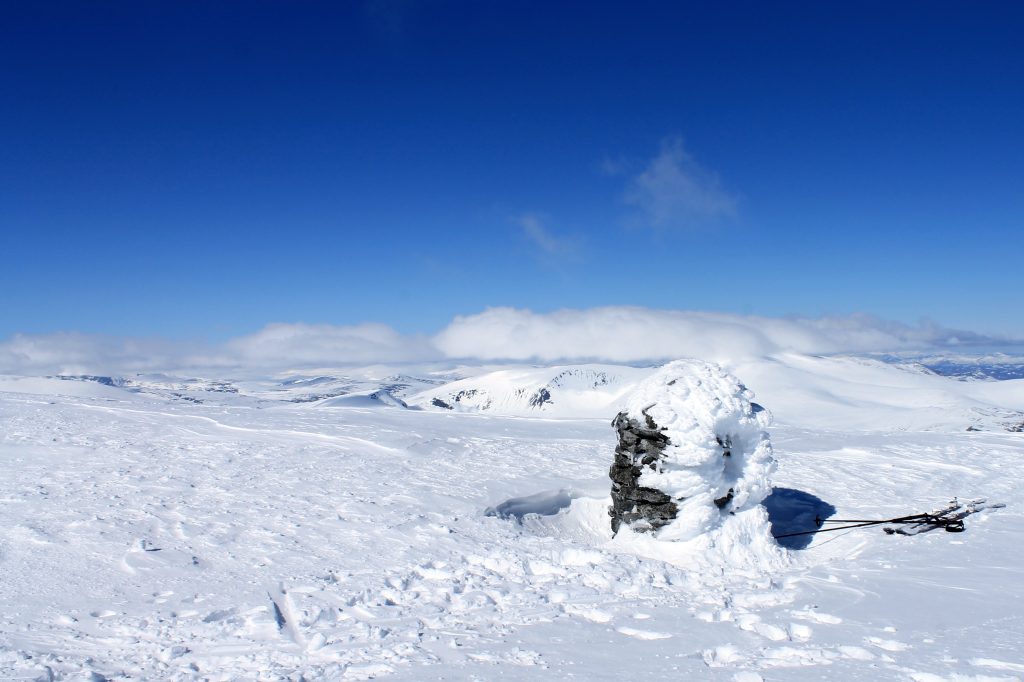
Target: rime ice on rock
(692,450)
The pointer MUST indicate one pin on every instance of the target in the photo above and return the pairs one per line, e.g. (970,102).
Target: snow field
(147,538)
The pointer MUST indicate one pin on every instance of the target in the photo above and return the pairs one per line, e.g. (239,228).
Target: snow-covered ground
(310,525)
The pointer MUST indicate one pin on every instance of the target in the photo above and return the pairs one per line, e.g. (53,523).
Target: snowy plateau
(451,523)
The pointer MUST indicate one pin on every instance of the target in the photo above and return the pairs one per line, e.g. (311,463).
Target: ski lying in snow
(950,518)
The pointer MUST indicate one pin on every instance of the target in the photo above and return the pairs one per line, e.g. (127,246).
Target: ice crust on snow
(718,460)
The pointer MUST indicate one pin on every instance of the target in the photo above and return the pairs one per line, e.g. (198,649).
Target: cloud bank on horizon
(616,334)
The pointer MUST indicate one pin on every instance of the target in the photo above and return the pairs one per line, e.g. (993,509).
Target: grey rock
(640,446)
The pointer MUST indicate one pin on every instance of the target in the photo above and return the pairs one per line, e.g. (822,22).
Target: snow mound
(717,463)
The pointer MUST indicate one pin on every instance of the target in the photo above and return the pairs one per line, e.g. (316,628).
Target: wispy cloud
(614,334)
(534,229)
(675,192)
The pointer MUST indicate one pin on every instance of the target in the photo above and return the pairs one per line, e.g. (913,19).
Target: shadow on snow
(547,503)
(789,511)
(795,511)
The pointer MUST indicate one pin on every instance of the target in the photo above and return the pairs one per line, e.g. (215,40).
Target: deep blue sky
(200,169)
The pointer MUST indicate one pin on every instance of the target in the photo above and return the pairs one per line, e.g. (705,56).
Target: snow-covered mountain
(996,367)
(868,394)
(819,392)
(575,391)
(984,367)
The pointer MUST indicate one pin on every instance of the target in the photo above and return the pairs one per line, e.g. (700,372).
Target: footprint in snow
(887,644)
(144,556)
(223,614)
(799,632)
(787,656)
(752,623)
(747,676)
(856,653)
(107,613)
(817,617)
(997,664)
(593,615)
(642,634)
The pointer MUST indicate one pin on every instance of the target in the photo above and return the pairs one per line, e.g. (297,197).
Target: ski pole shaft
(900,519)
(829,530)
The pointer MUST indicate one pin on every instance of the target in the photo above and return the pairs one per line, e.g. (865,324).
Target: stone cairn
(640,445)
(692,453)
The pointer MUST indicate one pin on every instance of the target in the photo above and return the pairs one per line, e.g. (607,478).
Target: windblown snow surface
(356,525)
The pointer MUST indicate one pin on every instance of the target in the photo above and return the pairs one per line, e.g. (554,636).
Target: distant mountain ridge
(988,367)
(838,392)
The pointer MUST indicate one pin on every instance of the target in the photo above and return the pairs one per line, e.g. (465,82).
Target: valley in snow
(416,523)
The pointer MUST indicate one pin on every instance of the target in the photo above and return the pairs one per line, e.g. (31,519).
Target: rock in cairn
(640,445)
(692,450)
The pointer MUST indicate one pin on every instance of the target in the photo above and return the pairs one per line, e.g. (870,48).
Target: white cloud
(534,229)
(674,191)
(633,334)
(275,347)
(284,345)
(613,334)
(74,353)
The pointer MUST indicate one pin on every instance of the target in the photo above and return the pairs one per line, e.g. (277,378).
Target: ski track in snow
(143,539)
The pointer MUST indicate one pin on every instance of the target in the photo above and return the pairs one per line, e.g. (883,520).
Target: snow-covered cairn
(692,451)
